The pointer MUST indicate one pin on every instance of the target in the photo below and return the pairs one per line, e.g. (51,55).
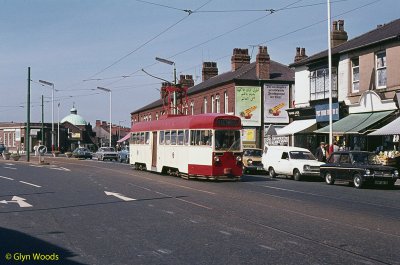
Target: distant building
(102,130)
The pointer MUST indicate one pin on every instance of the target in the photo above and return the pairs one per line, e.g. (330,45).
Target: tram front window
(227,140)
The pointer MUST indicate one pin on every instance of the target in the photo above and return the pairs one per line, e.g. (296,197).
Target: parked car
(82,152)
(290,161)
(252,160)
(358,167)
(106,153)
(123,155)
(2,148)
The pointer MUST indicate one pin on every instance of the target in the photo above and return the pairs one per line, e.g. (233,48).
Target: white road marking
(9,164)
(35,166)
(6,178)
(165,251)
(266,247)
(199,205)
(60,168)
(10,168)
(225,233)
(27,183)
(119,196)
(20,201)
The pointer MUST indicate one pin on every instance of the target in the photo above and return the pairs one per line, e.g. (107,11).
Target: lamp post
(109,91)
(330,73)
(58,126)
(52,111)
(170,63)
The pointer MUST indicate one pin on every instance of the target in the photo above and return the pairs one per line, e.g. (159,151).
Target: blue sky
(67,42)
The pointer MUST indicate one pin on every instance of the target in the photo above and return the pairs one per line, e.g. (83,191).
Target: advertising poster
(248,105)
(276,102)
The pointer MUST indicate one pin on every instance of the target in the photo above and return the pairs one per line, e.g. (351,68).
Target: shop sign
(322,112)
(276,102)
(248,105)
(276,140)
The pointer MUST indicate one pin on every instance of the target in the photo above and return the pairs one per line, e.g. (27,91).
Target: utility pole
(42,121)
(28,118)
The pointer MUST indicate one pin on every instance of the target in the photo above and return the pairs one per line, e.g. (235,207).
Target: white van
(290,161)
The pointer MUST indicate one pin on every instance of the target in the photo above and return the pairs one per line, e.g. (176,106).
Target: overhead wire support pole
(52,112)
(330,74)
(28,118)
(109,91)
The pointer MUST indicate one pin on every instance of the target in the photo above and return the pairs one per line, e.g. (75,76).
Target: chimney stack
(263,63)
(186,80)
(338,35)
(239,58)
(300,54)
(209,70)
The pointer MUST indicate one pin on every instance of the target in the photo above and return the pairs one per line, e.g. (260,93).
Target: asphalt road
(91,212)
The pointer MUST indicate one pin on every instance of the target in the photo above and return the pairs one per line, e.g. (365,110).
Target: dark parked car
(2,148)
(123,155)
(81,152)
(358,167)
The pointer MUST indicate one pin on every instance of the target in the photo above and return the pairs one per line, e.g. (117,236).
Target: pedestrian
(320,153)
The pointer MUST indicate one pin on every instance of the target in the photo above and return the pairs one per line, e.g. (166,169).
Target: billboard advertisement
(276,102)
(248,105)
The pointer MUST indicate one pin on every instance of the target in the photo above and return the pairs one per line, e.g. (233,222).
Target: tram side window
(186,137)
(201,137)
(161,137)
(173,137)
(134,138)
(141,140)
(180,137)
(167,137)
(147,137)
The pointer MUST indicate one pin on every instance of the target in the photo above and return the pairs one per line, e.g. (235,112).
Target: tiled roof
(383,33)
(278,72)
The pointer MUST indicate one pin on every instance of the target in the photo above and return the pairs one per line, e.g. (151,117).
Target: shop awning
(298,126)
(356,123)
(389,129)
(123,139)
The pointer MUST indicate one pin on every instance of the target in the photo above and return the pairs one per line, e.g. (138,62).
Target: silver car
(106,153)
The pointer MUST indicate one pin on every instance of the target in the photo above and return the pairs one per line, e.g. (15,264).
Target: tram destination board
(228,122)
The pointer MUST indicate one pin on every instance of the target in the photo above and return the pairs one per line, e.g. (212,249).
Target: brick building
(243,91)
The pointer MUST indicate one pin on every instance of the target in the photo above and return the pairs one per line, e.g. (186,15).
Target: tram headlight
(216,159)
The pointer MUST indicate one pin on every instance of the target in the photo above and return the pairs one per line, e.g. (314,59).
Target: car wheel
(296,175)
(271,172)
(357,180)
(329,179)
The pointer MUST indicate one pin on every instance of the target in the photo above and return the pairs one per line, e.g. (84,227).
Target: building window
(217,104)
(205,105)
(192,107)
(319,87)
(355,75)
(212,104)
(157,116)
(381,69)
(225,102)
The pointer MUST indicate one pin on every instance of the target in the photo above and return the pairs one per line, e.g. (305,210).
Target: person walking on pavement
(320,153)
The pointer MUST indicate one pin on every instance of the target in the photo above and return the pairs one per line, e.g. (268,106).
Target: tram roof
(201,121)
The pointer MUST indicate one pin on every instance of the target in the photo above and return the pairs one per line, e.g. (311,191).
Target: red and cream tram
(205,145)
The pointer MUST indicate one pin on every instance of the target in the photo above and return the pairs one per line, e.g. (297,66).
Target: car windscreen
(108,149)
(366,159)
(252,152)
(304,155)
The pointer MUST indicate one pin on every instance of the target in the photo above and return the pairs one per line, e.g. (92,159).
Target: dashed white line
(6,178)
(27,183)
(10,168)
(225,233)
(266,247)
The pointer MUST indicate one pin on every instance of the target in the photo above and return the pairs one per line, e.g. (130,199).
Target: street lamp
(58,126)
(109,91)
(170,63)
(52,111)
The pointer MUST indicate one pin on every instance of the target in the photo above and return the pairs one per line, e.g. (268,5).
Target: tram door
(154,151)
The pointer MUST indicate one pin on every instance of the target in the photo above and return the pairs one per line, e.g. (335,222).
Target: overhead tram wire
(147,42)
